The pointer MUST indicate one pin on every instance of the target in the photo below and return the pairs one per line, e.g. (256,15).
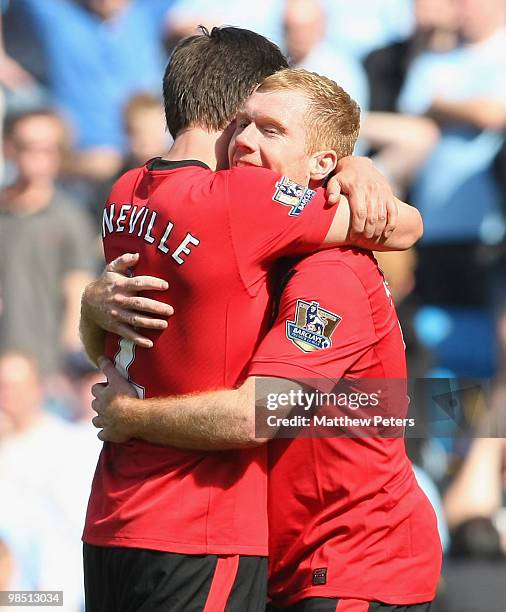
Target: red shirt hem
(178,547)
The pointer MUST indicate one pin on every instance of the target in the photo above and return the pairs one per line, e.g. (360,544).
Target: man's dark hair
(209,75)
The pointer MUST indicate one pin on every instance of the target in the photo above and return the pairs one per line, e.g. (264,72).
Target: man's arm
(477,489)
(73,286)
(215,420)
(482,113)
(92,335)
(224,419)
(370,196)
(403,143)
(370,217)
(112,302)
(408,230)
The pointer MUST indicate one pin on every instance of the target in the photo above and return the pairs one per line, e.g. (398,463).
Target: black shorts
(138,580)
(322,604)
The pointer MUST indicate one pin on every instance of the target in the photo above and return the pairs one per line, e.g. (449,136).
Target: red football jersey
(213,237)
(346,516)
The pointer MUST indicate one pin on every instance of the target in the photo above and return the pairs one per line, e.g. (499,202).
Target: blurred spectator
(401,144)
(474,505)
(145,125)
(81,375)
(436,30)
(98,53)
(23,62)
(430,489)
(6,566)
(45,245)
(477,493)
(44,482)
(306,46)
(464,90)
(354,28)
(20,394)
(358,27)
(262,16)
(2,113)
(457,191)
(472,586)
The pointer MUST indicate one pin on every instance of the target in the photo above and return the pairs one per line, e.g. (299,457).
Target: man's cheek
(270,159)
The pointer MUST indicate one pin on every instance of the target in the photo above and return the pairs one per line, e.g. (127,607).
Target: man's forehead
(282,101)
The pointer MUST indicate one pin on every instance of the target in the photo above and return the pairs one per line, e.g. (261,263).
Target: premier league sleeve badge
(293,195)
(313,326)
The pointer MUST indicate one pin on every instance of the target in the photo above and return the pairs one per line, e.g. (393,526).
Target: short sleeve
(324,324)
(271,217)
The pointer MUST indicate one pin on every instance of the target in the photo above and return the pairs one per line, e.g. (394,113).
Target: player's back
(176,218)
(212,236)
(175,215)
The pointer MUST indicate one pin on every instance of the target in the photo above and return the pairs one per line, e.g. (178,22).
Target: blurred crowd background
(80,99)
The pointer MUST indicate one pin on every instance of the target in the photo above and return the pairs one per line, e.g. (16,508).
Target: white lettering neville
(133,218)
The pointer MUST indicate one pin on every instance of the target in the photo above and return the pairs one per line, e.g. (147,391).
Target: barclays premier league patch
(291,194)
(313,327)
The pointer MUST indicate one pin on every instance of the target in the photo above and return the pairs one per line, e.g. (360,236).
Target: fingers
(129,333)
(359,212)
(98,389)
(143,304)
(108,369)
(135,319)
(95,404)
(373,208)
(392,216)
(98,422)
(144,283)
(377,208)
(333,191)
(122,263)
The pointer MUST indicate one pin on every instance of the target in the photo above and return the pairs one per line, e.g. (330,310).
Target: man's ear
(322,165)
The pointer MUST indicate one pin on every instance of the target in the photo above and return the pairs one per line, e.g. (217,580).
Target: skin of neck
(27,197)
(197,143)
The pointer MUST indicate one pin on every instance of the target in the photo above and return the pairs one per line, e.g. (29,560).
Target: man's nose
(245,139)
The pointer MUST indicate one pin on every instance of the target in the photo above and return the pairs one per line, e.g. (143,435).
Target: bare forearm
(484,114)
(92,336)
(409,229)
(74,285)
(477,489)
(217,420)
